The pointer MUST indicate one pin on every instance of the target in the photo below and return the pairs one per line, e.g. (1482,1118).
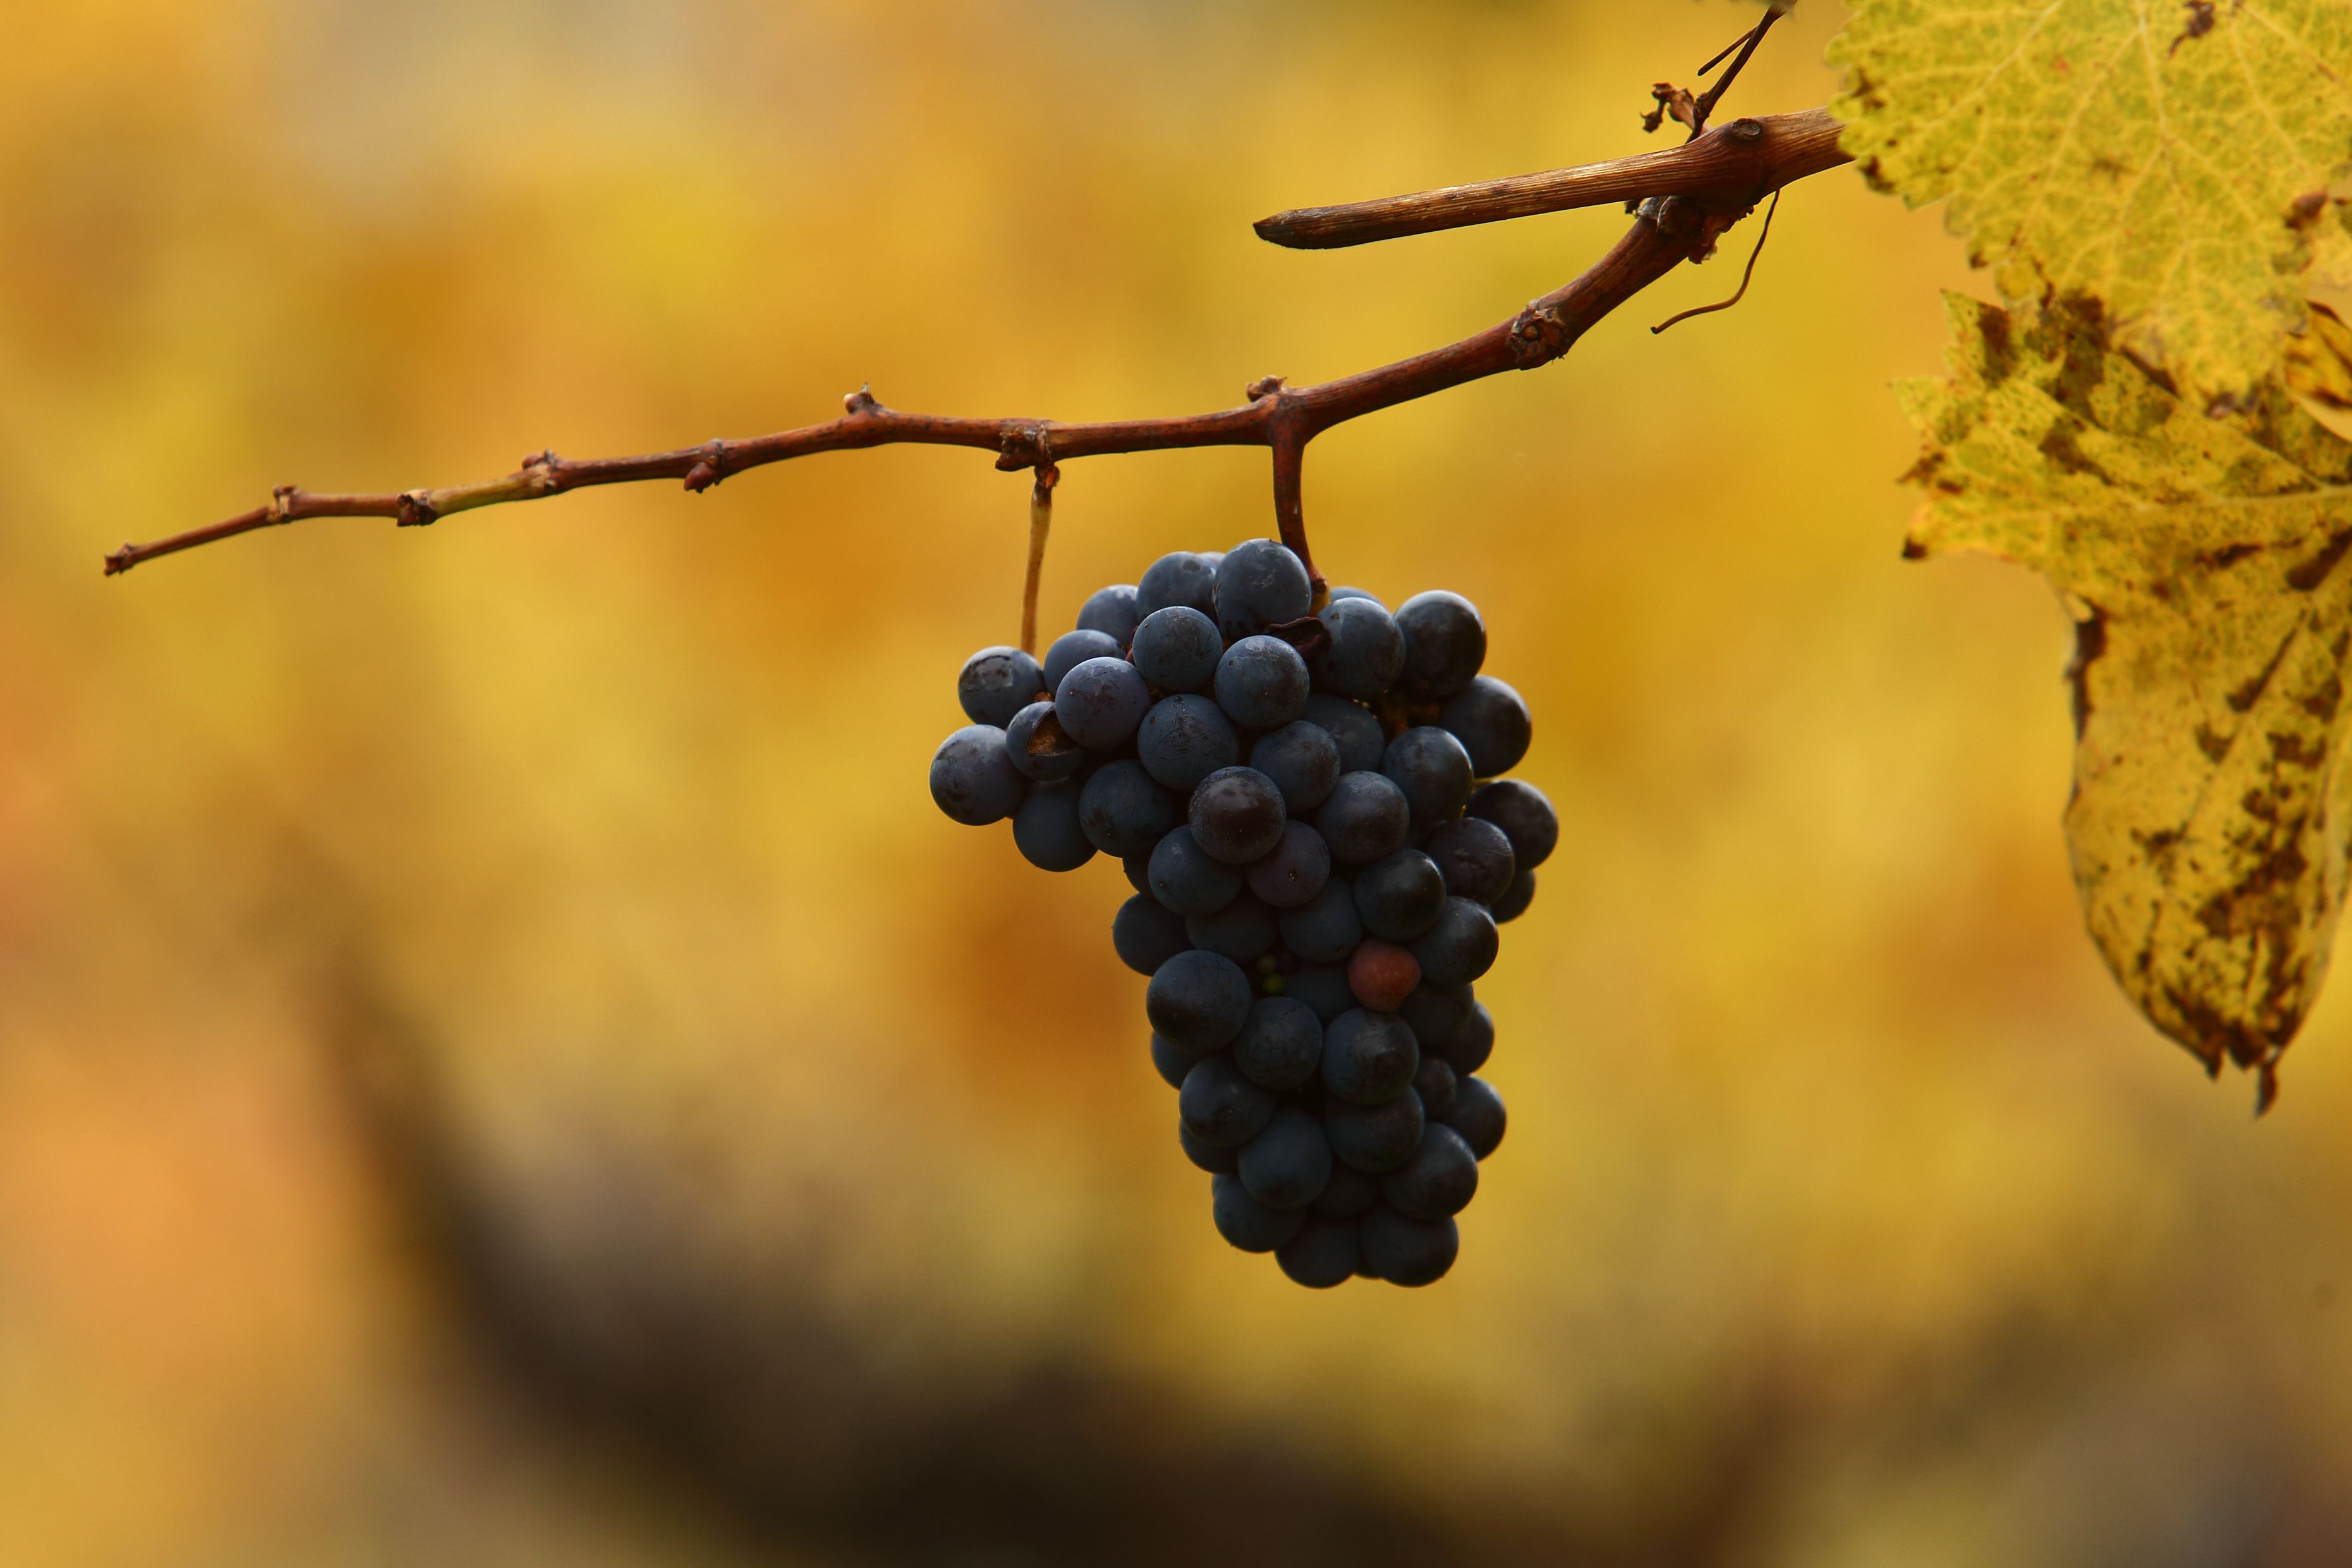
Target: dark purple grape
(1474,1043)
(1288,1163)
(1324,988)
(1198,1000)
(1111,612)
(1460,947)
(1177,649)
(1295,870)
(1492,723)
(1045,828)
(1185,739)
(1216,1161)
(972,779)
(1349,1192)
(1400,897)
(1365,819)
(998,683)
(1515,898)
(1261,683)
(1355,594)
(1440,1179)
(1430,766)
(1246,1222)
(1146,936)
(1365,652)
(1035,744)
(1435,1014)
(1180,577)
(1404,1251)
(1368,1057)
(1260,583)
(1375,1138)
(1138,872)
(1123,811)
(1072,649)
(1237,815)
(1324,929)
(1171,1063)
(1474,857)
(1445,643)
(1362,743)
(1520,810)
(1302,760)
(1324,1253)
(1101,702)
(1434,1082)
(1188,879)
(1477,1114)
(1281,1043)
(1243,930)
(1223,1109)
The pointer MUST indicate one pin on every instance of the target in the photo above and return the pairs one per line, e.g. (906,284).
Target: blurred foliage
(500,1062)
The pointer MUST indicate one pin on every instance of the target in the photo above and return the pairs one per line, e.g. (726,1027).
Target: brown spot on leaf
(2090,642)
(2213,745)
(2200,22)
(2314,571)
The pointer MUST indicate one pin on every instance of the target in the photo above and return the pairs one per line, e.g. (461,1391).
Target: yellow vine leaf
(2174,161)
(2203,560)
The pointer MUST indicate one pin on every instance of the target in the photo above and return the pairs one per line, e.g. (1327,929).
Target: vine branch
(1688,195)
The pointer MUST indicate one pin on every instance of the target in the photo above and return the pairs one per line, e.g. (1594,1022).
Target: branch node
(416,510)
(1745,129)
(710,468)
(1264,387)
(862,402)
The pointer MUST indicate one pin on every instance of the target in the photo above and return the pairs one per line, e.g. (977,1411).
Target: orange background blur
(500,1062)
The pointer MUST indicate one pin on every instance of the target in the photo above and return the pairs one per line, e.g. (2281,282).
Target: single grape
(1382,975)
(1302,760)
(1111,612)
(1172,1064)
(1440,1179)
(1138,872)
(1295,870)
(1072,649)
(1123,811)
(1146,936)
(1324,1253)
(998,683)
(1368,1057)
(1260,583)
(1216,1161)
(1100,702)
(1476,858)
(1477,1114)
(1177,649)
(1493,724)
(1357,730)
(1179,578)
(1324,929)
(1356,593)
(1261,683)
(1243,930)
(1246,1222)
(1237,815)
(1434,1081)
(1365,653)
(972,779)
(1474,1043)
(1405,1251)
(1445,643)
(1287,1165)
(1435,1014)
(1324,988)
(1364,819)
(1188,879)
(1375,1138)
(1198,1000)
(1037,746)
(1222,1108)
(1430,766)
(1520,810)
(1281,1043)
(1460,947)
(1515,899)
(1400,897)
(1183,739)
(1046,829)
(1349,1192)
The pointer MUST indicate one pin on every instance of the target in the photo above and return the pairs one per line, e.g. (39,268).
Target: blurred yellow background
(500,1062)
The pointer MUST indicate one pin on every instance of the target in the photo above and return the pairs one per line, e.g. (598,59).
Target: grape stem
(1687,197)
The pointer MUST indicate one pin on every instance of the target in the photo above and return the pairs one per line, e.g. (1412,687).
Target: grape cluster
(1309,808)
